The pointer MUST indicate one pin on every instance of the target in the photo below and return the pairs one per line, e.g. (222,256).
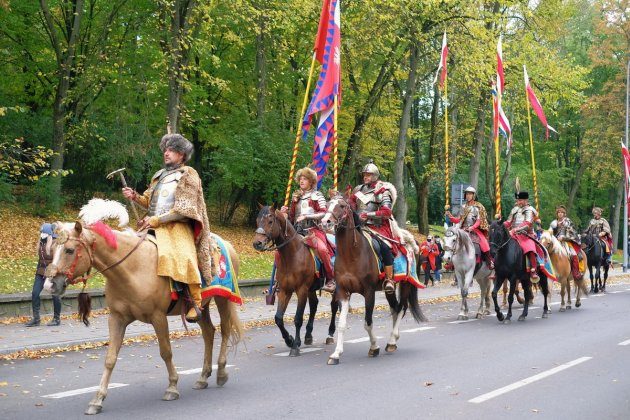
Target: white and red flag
(626,166)
(442,70)
(533,101)
(503,123)
(328,52)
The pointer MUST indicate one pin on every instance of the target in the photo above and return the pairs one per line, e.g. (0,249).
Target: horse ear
(78,227)
(260,206)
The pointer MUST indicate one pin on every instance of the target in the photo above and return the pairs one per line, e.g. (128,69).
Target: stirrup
(389,286)
(533,276)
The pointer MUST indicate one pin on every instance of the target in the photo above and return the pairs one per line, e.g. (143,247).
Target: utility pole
(625,198)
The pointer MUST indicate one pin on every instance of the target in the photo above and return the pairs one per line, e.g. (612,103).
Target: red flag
(626,165)
(536,105)
(503,122)
(442,65)
(322,30)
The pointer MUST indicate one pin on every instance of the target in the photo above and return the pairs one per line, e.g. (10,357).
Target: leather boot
(489,260)
(195,295)
(575,268)
(55,321)
(34,322)
(533,275)
(388,284)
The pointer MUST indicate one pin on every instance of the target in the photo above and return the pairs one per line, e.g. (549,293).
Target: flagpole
(299,132)
(447,180)
(531,151)
(497,170)
(625,205)
(335,138)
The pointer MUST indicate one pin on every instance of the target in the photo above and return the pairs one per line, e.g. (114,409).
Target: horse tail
(230,323)
(414,307)
(85,307)
(581,284)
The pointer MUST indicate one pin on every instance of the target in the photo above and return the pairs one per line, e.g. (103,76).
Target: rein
(261,231)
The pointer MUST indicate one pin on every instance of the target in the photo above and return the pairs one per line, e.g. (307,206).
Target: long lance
(335,142)
(299,133)
(531,151)
(497,166)
(447,178)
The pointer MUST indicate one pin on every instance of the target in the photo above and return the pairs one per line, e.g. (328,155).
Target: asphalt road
(573,365)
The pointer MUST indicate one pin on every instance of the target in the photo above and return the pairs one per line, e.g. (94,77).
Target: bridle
(499,247)
(261,231)
(447,248)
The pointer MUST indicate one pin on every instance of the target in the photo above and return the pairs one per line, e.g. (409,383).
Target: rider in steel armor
(374,200)
(521,224)
(308,206)
(563,229)
(176,212)
(600,227)
(474,220)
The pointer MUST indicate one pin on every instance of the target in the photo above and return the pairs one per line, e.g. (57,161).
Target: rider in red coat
(430,250)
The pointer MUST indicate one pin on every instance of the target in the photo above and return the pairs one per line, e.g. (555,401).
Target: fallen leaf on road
(4,383)
(2,394)
(428,383)
(26,392)
(534,410)
(39,404)
(270,346)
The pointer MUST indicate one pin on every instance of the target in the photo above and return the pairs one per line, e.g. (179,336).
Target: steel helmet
(371,168)
(470,189)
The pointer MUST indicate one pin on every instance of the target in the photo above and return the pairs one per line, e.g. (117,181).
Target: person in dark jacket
(45,256)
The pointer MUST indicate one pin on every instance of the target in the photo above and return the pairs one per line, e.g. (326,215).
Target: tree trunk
(616,214)
(400,209)
(480,124)
(423,189)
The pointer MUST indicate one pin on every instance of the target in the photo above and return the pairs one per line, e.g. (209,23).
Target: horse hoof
(330,340)
(507,321)
(545,315)
(521,318)
(479,316)
(569,306)
(486,312)
(500,317)
(390,348)
(222,380)
(374,352)
(170,396)
(562,309)
(462,318)
(200,385)
(332,361)
(578,304)
(308,340)
(289,341)
(93,409)
(294,352)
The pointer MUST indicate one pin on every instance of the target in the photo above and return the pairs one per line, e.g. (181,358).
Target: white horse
(460,250)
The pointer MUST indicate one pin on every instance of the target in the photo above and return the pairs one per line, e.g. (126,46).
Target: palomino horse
(595,257)
(357,271)
(561,261)
(460,250)
(509,264)
(134,291)
(295,273)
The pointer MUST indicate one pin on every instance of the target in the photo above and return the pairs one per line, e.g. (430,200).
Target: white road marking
(306,350)
(82,391)
(616,291)
(554,303)
(628,289)
(463,321)
(599,295)
(413,330)
(533,307)
(359,340)
(527,381)
(624,343)
(198,370)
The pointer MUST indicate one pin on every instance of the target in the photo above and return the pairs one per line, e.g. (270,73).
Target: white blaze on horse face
(48,285)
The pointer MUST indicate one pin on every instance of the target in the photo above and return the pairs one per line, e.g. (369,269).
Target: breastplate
(472,214)
(163,197)
(303,208)
(367,201)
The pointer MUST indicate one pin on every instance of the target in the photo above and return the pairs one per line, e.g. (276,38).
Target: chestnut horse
(134,291)
(357,271)
(295,273)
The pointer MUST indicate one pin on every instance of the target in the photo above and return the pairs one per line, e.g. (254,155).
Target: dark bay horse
(509,263)
(295,273)
(357,271)
(595,257)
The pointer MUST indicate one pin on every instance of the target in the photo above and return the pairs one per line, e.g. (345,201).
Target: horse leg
(529,297)
(392,344)
(488,296)
(544,285)
(207,332)
(483,290)
(229,319)
(568,287)
(117,326)
(590,273)
(598,279)
(298,321)
(334,308)
(160,325)
(283,302)
(563,291)
(513,286)
(505,291)
(368,323)
(343,319)
(495,290)
(312,307)
(606,267)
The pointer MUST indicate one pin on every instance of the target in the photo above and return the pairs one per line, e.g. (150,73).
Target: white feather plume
(98,209)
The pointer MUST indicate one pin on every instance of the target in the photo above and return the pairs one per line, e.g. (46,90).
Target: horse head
(72,257)
(339,214)
(449,244)
(271,227)
(499,236)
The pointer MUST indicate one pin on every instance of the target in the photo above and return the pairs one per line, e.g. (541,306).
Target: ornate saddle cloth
(318,263)
(404,269)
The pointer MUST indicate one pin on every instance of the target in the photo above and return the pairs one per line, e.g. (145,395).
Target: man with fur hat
(308,206)
(374,200)
(600,227)
(176,212)
(563,229)
(520,222)
(474,220)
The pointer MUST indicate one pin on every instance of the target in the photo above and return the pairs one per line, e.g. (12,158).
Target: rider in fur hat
(176,212)
(520,222)
(563,229)
(600,227)
(307,207)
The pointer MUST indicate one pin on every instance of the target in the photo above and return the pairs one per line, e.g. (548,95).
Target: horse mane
(106,233)
(464,240)
(556,246)
(98,209)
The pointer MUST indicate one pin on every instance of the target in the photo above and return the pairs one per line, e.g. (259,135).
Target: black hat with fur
(177,143)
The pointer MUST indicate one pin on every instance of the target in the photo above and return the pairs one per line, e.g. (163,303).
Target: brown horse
(562,267)
(295,273)
(357,271)
(134,291)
